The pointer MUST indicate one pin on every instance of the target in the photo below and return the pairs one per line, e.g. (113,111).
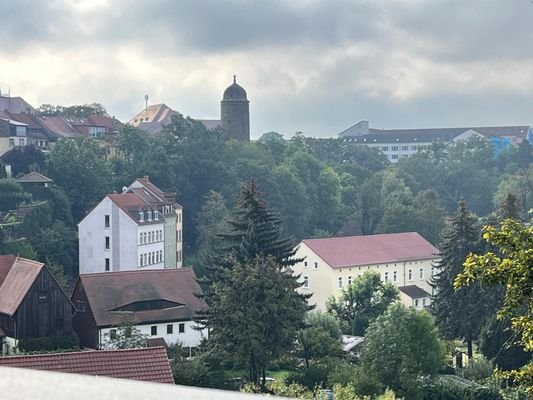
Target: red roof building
(146,364)
(331,264)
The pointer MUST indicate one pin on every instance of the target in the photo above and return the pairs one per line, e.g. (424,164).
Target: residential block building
(140,228)
(331,264)
(400,143)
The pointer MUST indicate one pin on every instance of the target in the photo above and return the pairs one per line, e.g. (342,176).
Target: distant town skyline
(315,66)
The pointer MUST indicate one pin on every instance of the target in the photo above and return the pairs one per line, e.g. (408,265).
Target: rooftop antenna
(234,78)
(146,102)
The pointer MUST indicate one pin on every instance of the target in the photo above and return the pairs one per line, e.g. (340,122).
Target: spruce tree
(509,208)
(254,310)
(459,313)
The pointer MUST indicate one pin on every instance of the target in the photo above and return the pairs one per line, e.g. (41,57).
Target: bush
(345,374)
(478,370)
(49,343)
(312,377)
(455,388)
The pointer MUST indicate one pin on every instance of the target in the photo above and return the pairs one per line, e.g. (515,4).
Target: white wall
(190,338)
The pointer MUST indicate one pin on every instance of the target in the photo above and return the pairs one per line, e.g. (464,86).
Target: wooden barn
(32,304)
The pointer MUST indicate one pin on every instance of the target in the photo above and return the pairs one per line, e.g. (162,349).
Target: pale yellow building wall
(324,280)
(4,145)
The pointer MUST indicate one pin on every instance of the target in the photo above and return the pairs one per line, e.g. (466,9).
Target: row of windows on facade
(150,237)
(149,215)
(315,265)
(404,148)
(150,258)
(153,331)
(385,277)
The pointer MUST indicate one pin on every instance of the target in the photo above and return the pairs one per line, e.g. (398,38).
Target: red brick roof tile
(372,249)
(147,364)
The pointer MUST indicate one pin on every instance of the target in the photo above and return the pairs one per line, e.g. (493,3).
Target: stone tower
(235,112)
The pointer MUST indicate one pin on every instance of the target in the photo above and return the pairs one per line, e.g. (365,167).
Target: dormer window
(149,215)
(141,215)
(156,215)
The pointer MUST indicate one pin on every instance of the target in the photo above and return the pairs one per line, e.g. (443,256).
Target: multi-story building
(331,264)
(140,228)
(401,143)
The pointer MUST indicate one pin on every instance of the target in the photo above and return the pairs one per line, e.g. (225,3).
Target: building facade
(331,264)
(401,143)
(140,228)
(159,303)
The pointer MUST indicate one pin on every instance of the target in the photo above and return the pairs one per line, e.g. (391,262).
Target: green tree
(83,110)
(459,313)
(125,336)
(11,195)
(400,346)
(255,312)
(24,159)
(320,338)
(511,269)
(361,302)
(76,166)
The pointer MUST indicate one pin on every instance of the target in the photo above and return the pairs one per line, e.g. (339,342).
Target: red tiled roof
(34,177)
(19,279)
(146,364)
(5,265)
(372,249)
(111,290)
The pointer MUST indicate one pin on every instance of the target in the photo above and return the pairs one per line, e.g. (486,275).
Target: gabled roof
(60,127)
(146,364)
(34,177)
(111,290)
(413,291)
(350,251)
(14,104)
(21,274)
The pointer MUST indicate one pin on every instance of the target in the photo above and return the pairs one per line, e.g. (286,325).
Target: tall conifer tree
(459,313)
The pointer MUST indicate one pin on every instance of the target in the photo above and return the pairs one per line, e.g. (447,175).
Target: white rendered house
(140,228)
(331,264)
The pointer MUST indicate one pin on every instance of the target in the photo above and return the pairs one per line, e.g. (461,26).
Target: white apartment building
(331,264)
(140,228)
(400,143)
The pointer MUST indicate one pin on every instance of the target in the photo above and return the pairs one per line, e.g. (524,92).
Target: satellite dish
(124,189)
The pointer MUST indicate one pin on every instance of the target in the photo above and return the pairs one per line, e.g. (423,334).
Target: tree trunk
(469,347)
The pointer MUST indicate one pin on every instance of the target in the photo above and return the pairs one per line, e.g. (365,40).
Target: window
(107,264)
(405,147)
(107,242)
(395,276)
(113,334)
(305,264)
(410,275)
(144,258)
(340,282)
(386,276)
(179,256)
(421,274)
(349,280)
(152,237)
(394,148)
(416,302)
(127,331)
(106,221)
(149,215)
(141,216)
(153,330)
(11,142)
(394,156)
(21,142)
(413,147)
(306,282)
(140,238)
(141,260)
(181,328)
(156,215)
(384,148)
(170,329)
(432,271)
(423,302)
(316,265)
(145,239)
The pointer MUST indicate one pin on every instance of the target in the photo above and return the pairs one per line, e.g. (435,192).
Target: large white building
(401,143)
(331,264)
(140,228)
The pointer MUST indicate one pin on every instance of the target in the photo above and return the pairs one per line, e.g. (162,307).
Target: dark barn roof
(115,290)
(413,291)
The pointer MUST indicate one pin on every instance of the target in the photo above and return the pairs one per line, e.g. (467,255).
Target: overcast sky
(307,65)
